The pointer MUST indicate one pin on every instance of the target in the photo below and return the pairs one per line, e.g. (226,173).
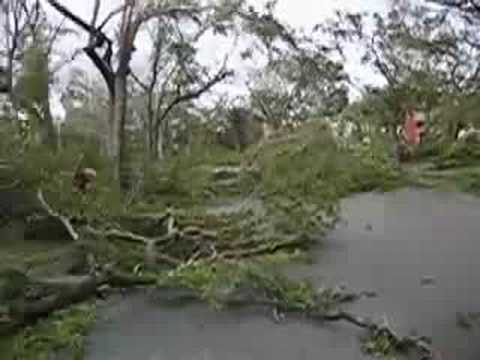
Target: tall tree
(85,101)
(33,94)
(133,14)
(28,39)
(456,25)
(175,77)
(298,86)
(18,19)
(400,48)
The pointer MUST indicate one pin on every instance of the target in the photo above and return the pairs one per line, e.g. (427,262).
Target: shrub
(458,154)
(36,167)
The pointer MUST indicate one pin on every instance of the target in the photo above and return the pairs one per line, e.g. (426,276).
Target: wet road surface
(418,249)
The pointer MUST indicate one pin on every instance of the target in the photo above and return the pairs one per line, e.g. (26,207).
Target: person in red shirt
(413,128)
(410,135)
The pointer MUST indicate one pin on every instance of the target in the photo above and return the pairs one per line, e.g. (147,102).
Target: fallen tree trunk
(60,293)
(25,312)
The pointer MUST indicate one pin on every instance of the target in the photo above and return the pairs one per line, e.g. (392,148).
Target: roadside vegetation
(210,201)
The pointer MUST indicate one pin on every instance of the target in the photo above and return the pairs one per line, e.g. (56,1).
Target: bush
(458,154)
(304,177)
(319,169)
(185,177)
(36,167)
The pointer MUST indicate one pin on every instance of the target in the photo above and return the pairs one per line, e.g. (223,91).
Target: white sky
(297,13)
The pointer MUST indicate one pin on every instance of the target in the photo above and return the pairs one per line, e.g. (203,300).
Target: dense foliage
(233,199)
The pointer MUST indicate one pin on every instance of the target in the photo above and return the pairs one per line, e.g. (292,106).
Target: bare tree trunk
(118,107)
(151,135)
(113,147)
(48,133)
(9,79)
(42,124)
(58,129)
(152,150)
(148,138)
(454,128)
(158,143)
(116,80)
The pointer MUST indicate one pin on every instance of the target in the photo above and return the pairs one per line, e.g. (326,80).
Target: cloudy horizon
(296,13)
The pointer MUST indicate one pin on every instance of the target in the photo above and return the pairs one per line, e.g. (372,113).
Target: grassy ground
(64,331)
(465,178)
(454,167)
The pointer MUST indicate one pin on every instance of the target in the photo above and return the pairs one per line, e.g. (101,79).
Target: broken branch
(66,223)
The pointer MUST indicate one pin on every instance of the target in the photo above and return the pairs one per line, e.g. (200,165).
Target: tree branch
(135,78)
(156,11)
(380,66)
(68,226)
(465,6)
(194,94)
(96,9)
(103,66)
(110,16)
(74,18)
(54,35)
(105,70)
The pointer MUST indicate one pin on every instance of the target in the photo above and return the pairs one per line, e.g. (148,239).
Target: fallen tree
(182,244)
(32,298)
(40,297)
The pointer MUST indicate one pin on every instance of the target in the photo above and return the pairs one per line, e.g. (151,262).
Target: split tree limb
(151,255)
(131,237)
(66,223)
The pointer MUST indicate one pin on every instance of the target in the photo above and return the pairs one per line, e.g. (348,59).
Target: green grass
(63,331)
(28,254)
(185,179)
(458,154)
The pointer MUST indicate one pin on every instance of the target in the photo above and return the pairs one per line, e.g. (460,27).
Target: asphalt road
(418,249)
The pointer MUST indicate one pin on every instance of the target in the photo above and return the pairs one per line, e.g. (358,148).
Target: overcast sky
(297,13)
